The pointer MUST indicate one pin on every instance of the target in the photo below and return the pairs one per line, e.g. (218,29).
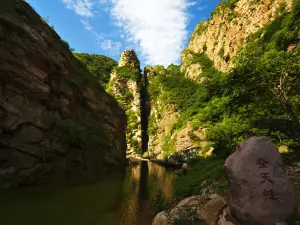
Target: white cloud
(82,8)
(159,26)
(86,25)
(111,47)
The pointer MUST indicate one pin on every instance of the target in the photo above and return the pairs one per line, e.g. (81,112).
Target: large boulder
(198,210)
(259,189)
(211,210)
(184,211)
(161,219)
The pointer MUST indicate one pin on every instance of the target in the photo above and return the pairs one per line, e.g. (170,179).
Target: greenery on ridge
(128,72)
(98,65)
(260,96)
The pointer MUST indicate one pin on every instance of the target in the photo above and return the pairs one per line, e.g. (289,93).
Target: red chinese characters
(265,178)
(269,194)
(262,163)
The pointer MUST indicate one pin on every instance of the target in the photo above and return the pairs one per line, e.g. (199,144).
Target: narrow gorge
(164,119)
(213,139)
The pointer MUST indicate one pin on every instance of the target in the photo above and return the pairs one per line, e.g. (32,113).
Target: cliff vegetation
(258,96)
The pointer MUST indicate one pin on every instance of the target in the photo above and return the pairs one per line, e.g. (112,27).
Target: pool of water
(117,199)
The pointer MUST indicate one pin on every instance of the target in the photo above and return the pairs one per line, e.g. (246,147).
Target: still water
(118,199)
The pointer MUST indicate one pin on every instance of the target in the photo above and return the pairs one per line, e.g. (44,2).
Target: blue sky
(158,30)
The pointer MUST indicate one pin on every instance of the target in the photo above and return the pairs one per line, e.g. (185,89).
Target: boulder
(185,166)
(189,202)
(259,189)
(184,211)
(225,218)
(211,210)
(160,219)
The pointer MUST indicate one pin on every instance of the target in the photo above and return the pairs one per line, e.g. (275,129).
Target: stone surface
(185,166)
(225,218)
(200,210)
(43,85)
(187,141)
(228,30)
(128,93)
(259,190)
(160,219)
(189,202)
(184,211)
(211,210)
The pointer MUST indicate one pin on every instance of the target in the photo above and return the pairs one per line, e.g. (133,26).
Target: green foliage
(128,72)
(205,47)
(98,65)
(228,5)
(168,146)
(45,20)
(197,58)
(231,3)
(281,9)
(200,28)
(260,96)
(209,170)
(221,52)
(67,44)
(131,129)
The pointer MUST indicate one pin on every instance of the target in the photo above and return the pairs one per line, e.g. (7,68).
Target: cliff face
(167,140)
(161,119)
(223,35)
(56,122)
(125,85)
(190,108)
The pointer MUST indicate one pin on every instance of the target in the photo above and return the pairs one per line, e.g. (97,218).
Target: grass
(210,170)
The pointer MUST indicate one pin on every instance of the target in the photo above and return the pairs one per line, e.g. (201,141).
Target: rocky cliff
(194,110)
(161,119)
(226,32)
(168,137)
(125,85)
(56,122)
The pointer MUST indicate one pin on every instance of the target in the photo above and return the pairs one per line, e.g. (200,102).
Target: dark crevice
(145,111)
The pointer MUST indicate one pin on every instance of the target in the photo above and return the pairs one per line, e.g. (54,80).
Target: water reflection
(141,184)
(118,199)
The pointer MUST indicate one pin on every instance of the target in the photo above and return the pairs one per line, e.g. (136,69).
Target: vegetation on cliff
(98,65)
(258,97)
(125,85)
